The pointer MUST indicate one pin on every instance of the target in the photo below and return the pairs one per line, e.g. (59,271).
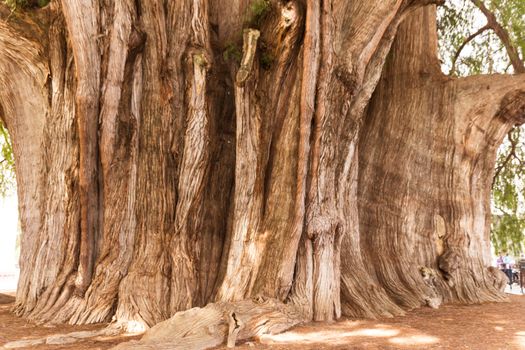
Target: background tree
(330,170)
(7,163)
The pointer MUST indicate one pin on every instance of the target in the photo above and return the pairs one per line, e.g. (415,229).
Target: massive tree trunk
(426,158)
(180,153)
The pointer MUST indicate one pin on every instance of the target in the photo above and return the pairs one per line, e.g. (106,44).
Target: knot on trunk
(289,14)
(346,74)
(259,299)
(322,225)
(449,262)
(439,231)
(200,59)
(512,107)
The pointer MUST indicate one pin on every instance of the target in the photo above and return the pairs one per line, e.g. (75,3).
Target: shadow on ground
(477,327)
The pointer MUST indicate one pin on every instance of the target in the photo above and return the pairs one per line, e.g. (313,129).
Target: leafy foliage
(232,52)
(257,11)
(15,4)
(267,60)
(7,163)
(508,195)
(23,4)
(485,54)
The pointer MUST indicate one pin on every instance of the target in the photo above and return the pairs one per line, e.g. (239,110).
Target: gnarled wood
(203,328)
(321,161)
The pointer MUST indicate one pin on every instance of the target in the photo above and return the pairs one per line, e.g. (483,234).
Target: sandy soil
(478,327)
(15,328)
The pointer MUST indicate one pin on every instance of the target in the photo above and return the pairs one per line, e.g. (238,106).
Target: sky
(8,231)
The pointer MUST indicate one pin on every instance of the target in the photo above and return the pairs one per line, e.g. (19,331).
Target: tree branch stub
(250,37)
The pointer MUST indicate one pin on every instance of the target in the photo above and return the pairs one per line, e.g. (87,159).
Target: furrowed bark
(194,166)
(248,172)
(119,116)
(144,292)
(350,71)
(82,23)
(62,210)
(450,220)
(23,100)
(302,294)
(265,161)
(276,185)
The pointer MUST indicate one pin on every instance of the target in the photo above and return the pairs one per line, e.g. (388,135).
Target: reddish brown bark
(170,175)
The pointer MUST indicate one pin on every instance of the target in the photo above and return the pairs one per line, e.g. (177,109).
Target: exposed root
(433,299)
(233,330)
(499,279)
(57,339)
(203,328)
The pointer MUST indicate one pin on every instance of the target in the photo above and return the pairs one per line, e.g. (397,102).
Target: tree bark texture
(307,163)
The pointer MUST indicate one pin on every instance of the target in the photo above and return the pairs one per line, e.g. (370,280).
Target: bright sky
(8,231)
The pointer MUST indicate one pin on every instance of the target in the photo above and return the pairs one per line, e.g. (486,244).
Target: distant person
(499,261)
(507,267)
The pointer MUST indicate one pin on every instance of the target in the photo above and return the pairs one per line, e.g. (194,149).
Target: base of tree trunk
(218,323)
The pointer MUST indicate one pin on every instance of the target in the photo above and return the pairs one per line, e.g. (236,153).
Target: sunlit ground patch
(520,339)
(420,339)
(335,337)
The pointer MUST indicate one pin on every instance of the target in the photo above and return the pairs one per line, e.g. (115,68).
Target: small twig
(508,158)
(465,42)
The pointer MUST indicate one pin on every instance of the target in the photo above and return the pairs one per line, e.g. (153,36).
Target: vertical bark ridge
(144,292)
(23,97)
(62,217)
(362,294)
(302,294)
(280,40)
(194,164)
(120,118)
(348,75)
(243,253)
(82,23)
(119,46)
(266,94)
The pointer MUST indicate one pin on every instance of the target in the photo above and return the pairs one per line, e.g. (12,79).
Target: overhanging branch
(492,23)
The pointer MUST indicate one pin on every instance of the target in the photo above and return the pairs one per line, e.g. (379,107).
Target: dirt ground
(489,326)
